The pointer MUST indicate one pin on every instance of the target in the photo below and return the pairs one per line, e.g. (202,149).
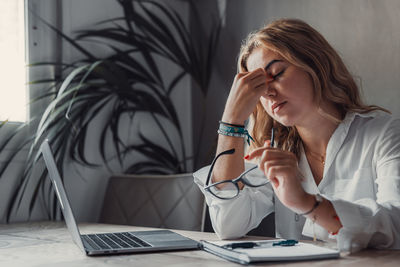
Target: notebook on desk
(267,251)
(111,243)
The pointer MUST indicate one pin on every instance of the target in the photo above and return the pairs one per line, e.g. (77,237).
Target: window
(13,104)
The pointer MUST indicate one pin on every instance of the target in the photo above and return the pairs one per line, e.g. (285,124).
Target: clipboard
(266,251)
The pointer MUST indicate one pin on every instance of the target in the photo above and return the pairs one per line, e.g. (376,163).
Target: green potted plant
(126,85)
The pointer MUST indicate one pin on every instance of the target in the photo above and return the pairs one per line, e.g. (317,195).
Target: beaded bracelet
(235,132)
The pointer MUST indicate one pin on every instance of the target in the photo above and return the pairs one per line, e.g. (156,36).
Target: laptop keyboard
(114,241)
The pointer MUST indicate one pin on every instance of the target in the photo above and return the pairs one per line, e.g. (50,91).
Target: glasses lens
(255,180)
(225,190)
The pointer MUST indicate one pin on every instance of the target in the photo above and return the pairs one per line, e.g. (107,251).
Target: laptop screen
(60,192)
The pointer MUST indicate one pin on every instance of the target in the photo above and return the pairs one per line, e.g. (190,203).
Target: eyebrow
(272,62)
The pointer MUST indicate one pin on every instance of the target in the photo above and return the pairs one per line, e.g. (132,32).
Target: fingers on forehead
(253,75)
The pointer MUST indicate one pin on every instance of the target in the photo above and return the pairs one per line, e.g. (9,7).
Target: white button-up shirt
(361,178)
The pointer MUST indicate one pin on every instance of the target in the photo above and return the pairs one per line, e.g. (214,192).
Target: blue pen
(253,244)
(272,137)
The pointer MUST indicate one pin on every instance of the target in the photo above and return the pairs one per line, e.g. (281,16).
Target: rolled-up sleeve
(235,217)
(370,222)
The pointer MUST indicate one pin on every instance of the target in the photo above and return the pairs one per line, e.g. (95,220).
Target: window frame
(41,44)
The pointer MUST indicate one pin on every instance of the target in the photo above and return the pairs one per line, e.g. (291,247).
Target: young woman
(334,168)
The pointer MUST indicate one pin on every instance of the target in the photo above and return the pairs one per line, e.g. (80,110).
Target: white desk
(49,244)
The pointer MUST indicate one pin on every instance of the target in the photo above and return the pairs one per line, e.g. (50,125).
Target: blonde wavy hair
(303,46)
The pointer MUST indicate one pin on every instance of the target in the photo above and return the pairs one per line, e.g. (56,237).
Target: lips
(277,106)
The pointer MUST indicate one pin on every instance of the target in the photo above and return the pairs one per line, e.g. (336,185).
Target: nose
(271,92)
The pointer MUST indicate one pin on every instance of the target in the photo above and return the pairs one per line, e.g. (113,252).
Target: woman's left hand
(281,168)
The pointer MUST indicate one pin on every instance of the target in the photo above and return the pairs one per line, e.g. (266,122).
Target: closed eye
(278,74)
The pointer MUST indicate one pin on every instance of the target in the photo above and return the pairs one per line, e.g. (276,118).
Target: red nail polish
(335,233)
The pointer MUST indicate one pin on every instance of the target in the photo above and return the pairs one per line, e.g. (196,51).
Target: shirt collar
(350,115)
(335,143)
(344,126)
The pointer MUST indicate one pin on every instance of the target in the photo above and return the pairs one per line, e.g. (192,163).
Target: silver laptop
(111,243)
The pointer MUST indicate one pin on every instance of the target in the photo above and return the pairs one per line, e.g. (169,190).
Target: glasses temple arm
(230,151)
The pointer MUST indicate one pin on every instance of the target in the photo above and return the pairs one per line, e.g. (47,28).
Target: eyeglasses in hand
(229,188)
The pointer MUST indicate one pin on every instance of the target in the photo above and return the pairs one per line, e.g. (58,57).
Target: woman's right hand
(246,90)
(245,93)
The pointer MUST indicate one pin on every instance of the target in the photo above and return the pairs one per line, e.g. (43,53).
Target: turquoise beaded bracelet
(235,132)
